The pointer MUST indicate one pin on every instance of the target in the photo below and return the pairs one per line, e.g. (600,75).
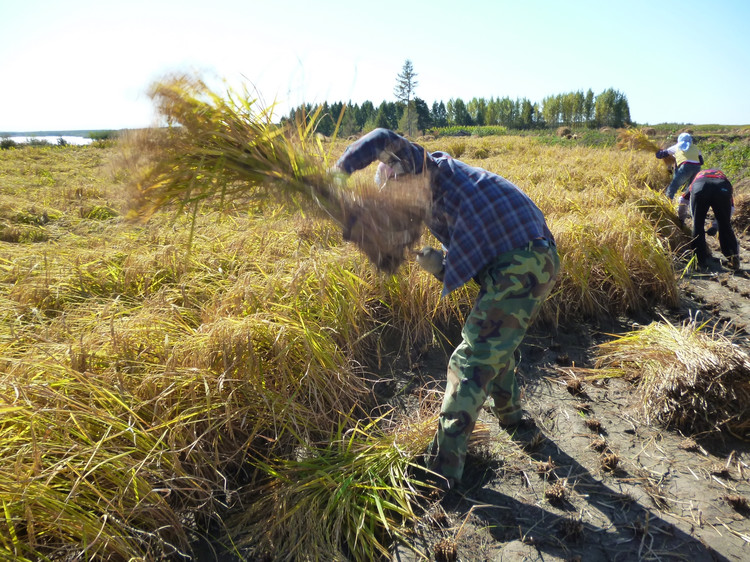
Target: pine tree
(405,85)
(439,114)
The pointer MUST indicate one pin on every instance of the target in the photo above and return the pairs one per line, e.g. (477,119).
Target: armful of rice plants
(225,148)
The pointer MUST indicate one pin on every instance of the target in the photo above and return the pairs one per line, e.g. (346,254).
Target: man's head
(383,174)
(418,185)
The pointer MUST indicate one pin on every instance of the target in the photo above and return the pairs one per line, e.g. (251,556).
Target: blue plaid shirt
(476,215)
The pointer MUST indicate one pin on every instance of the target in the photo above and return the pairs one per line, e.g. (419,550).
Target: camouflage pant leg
(513,288)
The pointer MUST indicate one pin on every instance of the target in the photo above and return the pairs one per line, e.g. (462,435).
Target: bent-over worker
(495,234)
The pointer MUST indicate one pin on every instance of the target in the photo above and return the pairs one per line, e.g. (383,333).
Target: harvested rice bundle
(384,224)
(227,149)
(637,139)
(688,378)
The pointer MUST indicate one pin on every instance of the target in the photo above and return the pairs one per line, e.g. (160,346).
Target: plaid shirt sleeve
(388,147)
(475,214)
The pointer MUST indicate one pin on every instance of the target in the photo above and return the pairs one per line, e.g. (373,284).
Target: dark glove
(431,260)
(662,154)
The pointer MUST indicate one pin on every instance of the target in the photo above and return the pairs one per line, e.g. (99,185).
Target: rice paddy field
(194,379)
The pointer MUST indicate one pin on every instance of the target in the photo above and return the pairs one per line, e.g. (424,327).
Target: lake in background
(53,139)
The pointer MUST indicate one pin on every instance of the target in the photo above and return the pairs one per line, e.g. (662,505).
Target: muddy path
(590,479)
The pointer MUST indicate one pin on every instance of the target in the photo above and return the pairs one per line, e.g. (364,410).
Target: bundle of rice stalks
(349,498)
(227,149)
(637,139)
(689,379)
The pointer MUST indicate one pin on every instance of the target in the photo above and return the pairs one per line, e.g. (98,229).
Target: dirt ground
(590,480)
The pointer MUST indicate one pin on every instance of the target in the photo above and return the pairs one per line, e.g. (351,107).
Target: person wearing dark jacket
(712,190)
(495,234)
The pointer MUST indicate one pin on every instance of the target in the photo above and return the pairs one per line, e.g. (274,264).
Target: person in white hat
(688,160)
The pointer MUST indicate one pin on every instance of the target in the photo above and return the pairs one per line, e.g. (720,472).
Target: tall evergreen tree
(386,117)
(349,125)
(381,119)
(367,112)
(439,114)
(325,124)
(424,118)
(461,115)
(406,82)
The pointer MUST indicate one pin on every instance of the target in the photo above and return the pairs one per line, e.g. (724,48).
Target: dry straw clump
(224,148)
(638,139)
(635,139)
(688,378)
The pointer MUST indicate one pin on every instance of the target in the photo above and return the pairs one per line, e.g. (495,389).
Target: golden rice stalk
(227,149)
(348,498)
(688,378)
(637,139)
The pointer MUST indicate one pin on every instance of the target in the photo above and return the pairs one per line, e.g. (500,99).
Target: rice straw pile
(227,149)
(689,379)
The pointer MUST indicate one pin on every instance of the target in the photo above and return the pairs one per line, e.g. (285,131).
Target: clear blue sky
(87,64)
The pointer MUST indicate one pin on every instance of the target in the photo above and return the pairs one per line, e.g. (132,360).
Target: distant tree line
(575,109)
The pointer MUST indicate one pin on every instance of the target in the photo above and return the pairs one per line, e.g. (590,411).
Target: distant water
(53,139)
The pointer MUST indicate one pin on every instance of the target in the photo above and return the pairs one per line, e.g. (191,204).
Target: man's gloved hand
(713,229)
(338,176)
(431,260)
(661,154)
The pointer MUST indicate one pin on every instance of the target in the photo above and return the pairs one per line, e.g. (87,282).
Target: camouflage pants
(512,289)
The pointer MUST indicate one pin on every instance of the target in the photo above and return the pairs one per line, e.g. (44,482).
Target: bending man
(495,234)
